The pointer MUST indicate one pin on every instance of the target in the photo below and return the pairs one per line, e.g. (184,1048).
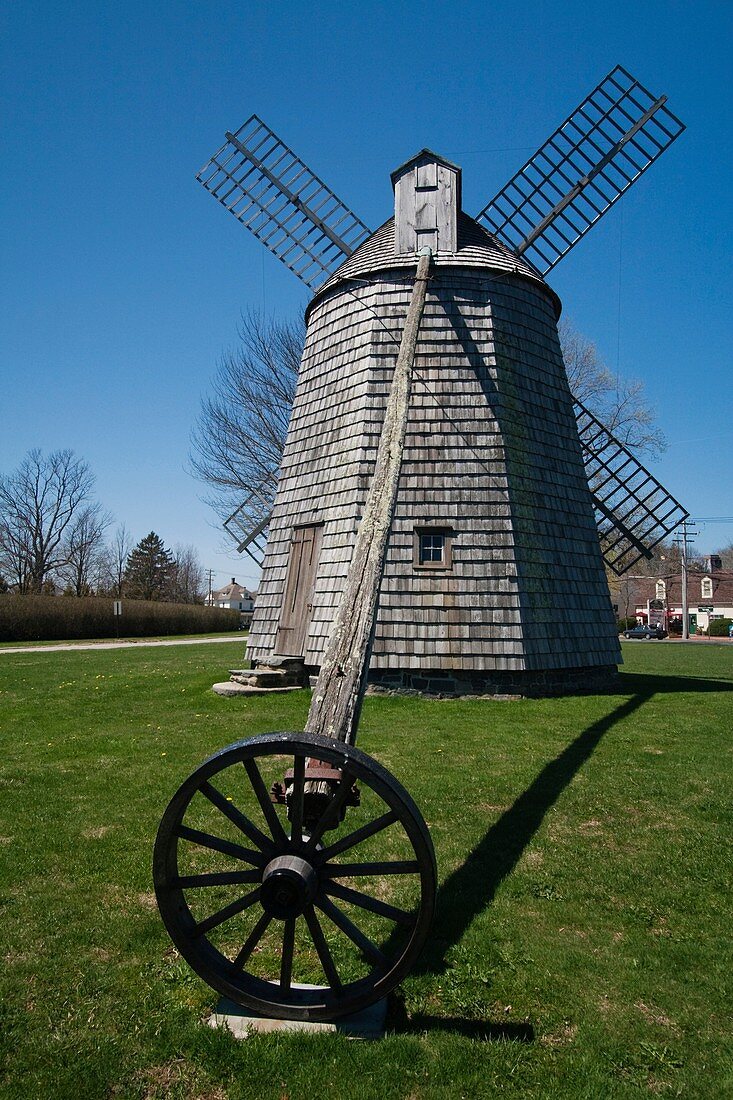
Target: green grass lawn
(582,940)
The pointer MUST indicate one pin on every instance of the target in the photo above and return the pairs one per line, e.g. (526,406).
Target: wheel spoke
(218,844)
(365,901)
(297,794)
(319,941)
(217,878)
(228,911)
(358,835)
(331,811)
(286,963)
(263,797)
(237,817)
(385,867)
(355,934)
(252,940)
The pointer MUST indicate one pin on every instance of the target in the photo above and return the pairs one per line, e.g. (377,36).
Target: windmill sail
(277,197)
(633,511)
(248,523)
(581,170)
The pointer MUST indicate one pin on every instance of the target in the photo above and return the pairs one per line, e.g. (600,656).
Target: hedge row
(719,628)
(49,618)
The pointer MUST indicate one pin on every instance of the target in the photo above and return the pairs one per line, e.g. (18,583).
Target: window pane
(431,548)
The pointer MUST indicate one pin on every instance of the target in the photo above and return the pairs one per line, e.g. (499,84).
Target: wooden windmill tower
(493,578)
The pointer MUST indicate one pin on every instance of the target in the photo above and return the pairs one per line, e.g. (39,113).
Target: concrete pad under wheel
(367,1024)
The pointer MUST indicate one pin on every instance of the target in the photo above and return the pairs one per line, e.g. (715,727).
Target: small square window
(432,548)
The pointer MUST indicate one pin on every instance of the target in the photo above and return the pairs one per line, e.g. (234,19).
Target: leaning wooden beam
(341,683)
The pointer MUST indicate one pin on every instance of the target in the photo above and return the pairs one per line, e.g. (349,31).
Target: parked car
(646,632)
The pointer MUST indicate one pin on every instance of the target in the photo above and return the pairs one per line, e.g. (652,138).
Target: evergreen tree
(149,570)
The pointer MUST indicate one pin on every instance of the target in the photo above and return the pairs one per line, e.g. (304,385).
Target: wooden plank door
(295,616)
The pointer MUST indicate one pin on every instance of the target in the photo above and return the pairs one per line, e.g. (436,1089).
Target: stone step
(289,664)
(229,687)
(267,678)
(269,675)
(279,674)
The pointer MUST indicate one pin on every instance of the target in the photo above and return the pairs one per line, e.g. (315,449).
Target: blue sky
(124,280)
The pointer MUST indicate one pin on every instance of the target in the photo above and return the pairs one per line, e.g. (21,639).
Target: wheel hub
(289,883)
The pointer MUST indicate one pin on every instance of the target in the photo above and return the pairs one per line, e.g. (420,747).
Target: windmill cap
(423,155)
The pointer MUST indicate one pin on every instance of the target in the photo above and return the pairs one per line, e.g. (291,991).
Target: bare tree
(188,579)
(238,440)
(83,548)
(38,504)
(726,557)
(114,560)
(619,403)
(624,593)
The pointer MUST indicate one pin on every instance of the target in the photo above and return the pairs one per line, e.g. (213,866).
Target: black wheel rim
(287,922)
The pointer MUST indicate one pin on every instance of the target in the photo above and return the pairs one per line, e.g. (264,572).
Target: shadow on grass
(472,887)
(483,1030)
(474,1029)
(637,683)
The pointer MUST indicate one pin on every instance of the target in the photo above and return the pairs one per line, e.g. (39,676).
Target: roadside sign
(118,607)
(705,607)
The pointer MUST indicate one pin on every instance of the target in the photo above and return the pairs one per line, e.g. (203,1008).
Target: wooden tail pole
(338,693)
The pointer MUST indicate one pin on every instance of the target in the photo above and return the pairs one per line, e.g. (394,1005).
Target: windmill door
(297,605)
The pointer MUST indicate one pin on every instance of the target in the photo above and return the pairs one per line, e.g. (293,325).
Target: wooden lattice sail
(634,512)
(277,197)
(248,523)
(601,149)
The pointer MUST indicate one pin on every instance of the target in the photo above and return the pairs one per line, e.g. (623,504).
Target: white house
(237,597)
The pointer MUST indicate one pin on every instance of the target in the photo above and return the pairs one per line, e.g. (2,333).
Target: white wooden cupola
(427,192)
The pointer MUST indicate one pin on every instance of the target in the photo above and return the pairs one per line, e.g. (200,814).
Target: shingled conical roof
(477,248)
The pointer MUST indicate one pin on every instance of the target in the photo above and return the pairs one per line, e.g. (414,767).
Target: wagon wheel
(264,907)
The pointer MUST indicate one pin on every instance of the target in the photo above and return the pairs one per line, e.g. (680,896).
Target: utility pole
(210,575)
(684,541)
(685,611)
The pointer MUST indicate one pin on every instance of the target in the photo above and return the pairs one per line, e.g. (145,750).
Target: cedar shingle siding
(492,455)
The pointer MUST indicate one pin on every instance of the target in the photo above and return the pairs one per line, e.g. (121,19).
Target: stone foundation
(502,685)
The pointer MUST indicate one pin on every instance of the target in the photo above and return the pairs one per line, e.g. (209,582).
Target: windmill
(524,598)
(435,526)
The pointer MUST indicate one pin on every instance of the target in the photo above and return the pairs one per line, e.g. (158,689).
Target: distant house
(237,597)
(709,597)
